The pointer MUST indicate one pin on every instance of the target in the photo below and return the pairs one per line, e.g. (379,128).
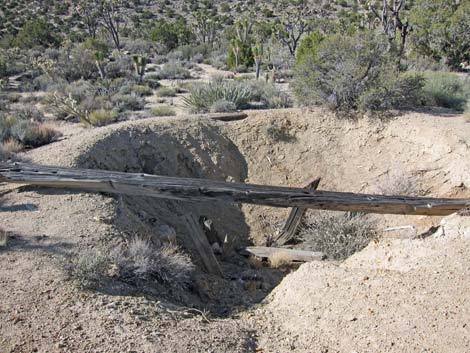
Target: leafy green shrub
(223,106)
(102,117)
(203,96)
(86,268)
(338,236)
(163,110)
(445,90)
(173,71)
(350,73)
(37,32)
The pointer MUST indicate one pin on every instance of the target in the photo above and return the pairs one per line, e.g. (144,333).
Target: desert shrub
(141,260)
(223,106)
(338,236)
(102,117)
(203,96)
(27,112)
(152,80)
(269,95)
(37,32)
(26,132)
(4,154)
(11,146)
(36,135)
(348,73)
(126,102)
(141,90)
(173,71)
(445,90)
(163,110)
(166,92)
(85,268)
(400,184)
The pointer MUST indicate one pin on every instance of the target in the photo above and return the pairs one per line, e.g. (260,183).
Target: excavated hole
(200,151)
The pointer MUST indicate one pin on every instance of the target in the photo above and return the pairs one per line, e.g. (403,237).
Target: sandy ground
(396,295)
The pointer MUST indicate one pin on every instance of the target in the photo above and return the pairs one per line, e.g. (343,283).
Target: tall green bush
(356,72)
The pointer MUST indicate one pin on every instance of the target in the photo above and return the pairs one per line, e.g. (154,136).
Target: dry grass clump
(11,146)
(85,268)
(163,110)
(400,185)
(338,236)
(141,259)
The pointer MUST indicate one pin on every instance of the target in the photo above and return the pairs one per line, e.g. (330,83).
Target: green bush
(445,90)
(102,117)
(309,45)
(166,92)
(245,57)
(142,90)
(163,110)
(351,73)
(37,32)
(173,71)
(203,96)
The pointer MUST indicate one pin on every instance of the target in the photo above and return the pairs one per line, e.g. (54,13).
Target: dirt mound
(395,296)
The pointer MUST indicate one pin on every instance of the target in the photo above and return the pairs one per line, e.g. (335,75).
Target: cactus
(140,62)
(258,56)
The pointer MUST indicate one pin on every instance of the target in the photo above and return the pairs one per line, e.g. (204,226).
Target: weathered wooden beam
(293,221)
(199,242)
(206,190)
(290,255)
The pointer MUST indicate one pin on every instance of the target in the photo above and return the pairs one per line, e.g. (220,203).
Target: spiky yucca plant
(203,96)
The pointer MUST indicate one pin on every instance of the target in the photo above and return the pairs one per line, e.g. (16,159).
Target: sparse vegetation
(141,260)
(85,268)
(338,236)
(446,90)
(203,96)
(163,110)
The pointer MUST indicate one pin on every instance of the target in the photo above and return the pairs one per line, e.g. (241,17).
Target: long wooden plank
(287,254)
(200,243)
(206,190)
(293,221)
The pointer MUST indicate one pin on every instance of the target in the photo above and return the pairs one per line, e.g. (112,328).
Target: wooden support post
(289,254)
(293,221)
(200,243)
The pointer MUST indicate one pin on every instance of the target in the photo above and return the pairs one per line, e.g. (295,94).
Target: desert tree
(89,15)
(112,15)
(206,25)
(295,21)
(389,15)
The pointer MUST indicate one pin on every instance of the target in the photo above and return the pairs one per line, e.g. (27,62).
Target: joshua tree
(140,62)
(389,15)
(236,52)
(258,56)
